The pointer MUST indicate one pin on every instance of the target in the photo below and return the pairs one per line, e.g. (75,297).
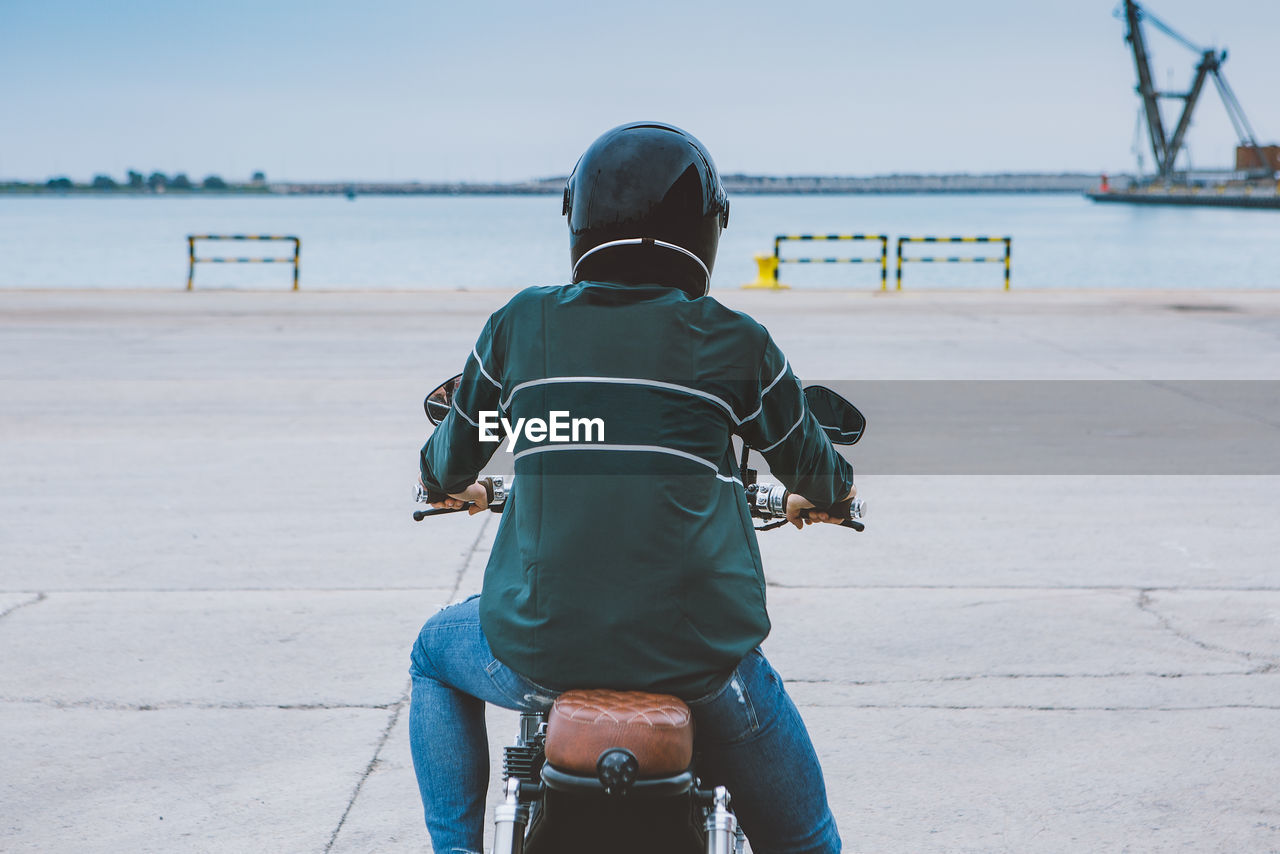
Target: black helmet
(645,204)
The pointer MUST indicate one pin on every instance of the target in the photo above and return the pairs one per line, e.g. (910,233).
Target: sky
(506,91)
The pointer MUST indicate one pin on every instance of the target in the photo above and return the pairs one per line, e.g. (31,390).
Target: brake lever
(419,515)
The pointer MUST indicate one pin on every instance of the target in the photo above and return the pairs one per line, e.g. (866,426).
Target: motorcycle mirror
(839,419)
(438,403)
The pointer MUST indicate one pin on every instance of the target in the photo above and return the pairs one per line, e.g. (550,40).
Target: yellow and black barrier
(285,259)
(979,259)
(767,276)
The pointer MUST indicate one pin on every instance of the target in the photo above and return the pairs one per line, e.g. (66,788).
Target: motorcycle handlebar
(769,501)
(494,486)
(764,500)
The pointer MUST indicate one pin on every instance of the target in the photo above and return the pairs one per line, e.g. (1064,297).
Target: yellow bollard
(767,275)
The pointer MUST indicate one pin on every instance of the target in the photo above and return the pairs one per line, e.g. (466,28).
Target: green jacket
(629,560)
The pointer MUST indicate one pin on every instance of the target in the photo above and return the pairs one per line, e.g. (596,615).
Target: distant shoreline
(1070,182)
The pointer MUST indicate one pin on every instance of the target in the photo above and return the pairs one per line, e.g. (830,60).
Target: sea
(477,242)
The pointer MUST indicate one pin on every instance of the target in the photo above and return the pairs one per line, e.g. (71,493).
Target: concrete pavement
(209,580)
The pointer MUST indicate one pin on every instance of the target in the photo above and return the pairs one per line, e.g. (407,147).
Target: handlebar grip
(493,489)
(848,511)
(427,495)
(495,495)
(496,488)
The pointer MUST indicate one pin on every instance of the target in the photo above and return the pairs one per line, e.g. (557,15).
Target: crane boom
(1208,65)
(1147,89)
(1164,147)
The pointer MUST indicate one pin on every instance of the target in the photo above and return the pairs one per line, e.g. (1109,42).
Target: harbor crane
(1165,147)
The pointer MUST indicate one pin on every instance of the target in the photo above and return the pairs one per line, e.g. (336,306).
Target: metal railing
(768,272)
(284,259)
(972,259)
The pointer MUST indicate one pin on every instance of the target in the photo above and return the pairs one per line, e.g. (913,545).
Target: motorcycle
(616,770)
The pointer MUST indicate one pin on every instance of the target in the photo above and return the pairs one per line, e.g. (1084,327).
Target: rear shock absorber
(722,825)
(509,820)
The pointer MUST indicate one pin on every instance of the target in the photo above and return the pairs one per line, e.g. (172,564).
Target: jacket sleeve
(453,456)
(787,434)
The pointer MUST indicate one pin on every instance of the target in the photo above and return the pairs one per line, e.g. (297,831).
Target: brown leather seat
(657,728)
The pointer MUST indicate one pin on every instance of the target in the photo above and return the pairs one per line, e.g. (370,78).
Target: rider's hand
(475,493)
(796,503)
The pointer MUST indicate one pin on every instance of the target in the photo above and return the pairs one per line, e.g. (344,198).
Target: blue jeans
(750,739)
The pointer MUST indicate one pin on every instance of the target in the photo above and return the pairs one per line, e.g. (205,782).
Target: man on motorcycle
(626,557)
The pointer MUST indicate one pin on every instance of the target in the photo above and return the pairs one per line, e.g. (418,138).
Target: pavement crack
(466,563)
(976,677)
(781,585)
(1147,606)
(1020,330)
(1181,390)
(113,706)
(1199,588)
(262,589)
(954,707)
(35,600)
(373,763)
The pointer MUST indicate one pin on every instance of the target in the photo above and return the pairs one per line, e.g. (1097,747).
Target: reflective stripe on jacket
(628,560)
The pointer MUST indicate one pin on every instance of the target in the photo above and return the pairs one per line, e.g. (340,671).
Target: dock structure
(1251,185)
(735,184)
(211,581)
(1221,196)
